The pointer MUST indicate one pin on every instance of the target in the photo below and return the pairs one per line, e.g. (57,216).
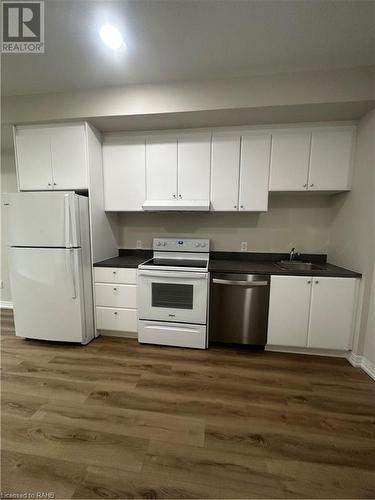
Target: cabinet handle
(114,272)
(180,196)
(174,196)
(305,185)
(234,206)
(317,282)
(49,184)
(308,282)
(241,206)
(311,185)
(115,313)
(55,183)
(115,289)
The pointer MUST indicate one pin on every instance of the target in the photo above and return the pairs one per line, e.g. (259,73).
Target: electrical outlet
(139,243)
(243,246)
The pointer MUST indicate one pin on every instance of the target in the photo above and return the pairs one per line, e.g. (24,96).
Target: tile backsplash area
(300,220)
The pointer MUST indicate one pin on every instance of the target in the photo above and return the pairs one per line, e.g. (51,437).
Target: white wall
(302,221)
(352,240)
(8,185)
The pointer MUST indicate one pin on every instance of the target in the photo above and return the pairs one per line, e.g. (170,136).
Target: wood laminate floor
(116,419)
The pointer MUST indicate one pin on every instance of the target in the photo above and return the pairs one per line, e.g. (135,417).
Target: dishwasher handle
(248,284)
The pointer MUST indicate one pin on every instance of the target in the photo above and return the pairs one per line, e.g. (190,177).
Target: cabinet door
(331,159)
(332,312)
(194,162)
(289,311)
(254,172)
(225,172)
(124,170)
(289,160)
(161,168)
(33,150)
(69,162)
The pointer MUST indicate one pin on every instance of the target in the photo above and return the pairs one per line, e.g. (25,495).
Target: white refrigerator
(50,265)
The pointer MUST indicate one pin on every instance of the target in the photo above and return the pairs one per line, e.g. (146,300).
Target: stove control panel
(181,245)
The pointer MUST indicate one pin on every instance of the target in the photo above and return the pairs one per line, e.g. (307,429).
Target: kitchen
(205,265)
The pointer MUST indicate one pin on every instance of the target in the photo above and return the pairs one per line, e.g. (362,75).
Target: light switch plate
(243,246)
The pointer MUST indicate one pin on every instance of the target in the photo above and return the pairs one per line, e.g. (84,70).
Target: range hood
(176,205)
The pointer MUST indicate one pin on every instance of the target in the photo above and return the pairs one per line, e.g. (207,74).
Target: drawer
(172,334)
(115,275)
(111,318)
(113,295)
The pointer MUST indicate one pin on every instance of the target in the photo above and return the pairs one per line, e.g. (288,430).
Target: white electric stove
(173,293)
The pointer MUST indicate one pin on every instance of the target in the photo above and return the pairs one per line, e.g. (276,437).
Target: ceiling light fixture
(111,37)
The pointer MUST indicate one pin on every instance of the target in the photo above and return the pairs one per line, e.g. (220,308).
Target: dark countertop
(269,267)
(126,258)
(240,262)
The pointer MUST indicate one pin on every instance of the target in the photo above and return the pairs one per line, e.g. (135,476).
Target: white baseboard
(362,362)
(6,304)
(308,350)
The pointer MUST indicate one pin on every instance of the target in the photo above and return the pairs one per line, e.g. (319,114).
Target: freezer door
(47,294)
(42,219)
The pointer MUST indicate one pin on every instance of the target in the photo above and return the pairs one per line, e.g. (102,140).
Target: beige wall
(318,87)
(369,336)
(8,184)
(302,221)
(352,240)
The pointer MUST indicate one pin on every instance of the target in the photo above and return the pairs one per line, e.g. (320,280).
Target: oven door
(173,296)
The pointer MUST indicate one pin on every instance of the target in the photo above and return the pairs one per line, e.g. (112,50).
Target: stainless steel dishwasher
(239,308)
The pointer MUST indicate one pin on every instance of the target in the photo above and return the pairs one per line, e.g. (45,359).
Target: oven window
(172,295)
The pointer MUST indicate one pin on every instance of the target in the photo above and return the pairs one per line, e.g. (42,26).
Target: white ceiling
(174,40)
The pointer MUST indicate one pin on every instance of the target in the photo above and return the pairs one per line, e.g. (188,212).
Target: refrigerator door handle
(73,221)
(72,272)
(67,221)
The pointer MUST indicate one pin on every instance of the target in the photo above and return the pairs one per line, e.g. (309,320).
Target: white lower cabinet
(312,312)
(332,313)
(115,275)
(289,310)
(116,319)
(116,301)
(114,295)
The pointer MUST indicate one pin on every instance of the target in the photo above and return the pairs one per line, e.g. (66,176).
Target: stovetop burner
(177,263)
(178,254)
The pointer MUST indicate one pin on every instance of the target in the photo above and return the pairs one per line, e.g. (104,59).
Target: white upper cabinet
(194,162)
(33,155)
(254,172)
(124,169)
(289,311)
(161,168)
(225,172)
(317,159)
(332,313)
(68,150)
(51,157)
(290,160)
(331,159)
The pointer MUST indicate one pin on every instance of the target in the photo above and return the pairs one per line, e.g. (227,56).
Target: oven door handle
(173,274)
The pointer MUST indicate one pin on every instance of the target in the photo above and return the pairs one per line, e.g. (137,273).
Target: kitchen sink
(297,265)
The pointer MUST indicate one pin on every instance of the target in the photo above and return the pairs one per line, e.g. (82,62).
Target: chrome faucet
(293,254)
